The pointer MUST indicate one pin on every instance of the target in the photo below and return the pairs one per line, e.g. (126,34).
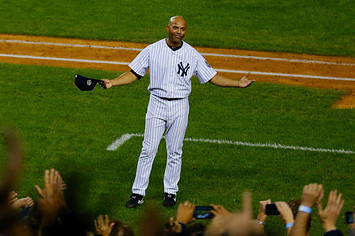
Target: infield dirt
(296,69)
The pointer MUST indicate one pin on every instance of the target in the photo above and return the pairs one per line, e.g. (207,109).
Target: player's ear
(167,28)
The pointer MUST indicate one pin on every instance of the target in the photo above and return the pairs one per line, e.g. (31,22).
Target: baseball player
(172,63)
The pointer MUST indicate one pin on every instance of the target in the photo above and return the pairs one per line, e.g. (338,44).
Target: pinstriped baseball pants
(172,116)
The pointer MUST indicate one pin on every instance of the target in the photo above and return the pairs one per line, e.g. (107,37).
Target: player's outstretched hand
(106,84)
(245,82)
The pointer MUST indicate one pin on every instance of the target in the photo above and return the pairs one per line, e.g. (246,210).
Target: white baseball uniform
(171,70)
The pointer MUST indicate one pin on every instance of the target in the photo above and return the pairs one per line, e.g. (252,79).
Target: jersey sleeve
(140,64)
(204,72)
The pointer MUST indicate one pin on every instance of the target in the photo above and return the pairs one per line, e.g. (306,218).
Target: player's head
(176,29)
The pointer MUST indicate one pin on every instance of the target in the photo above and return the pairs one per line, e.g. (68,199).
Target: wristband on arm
(260,222)
(289,225)
(305,209)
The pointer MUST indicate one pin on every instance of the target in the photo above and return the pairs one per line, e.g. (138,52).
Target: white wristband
(289,225)
(260,222)
(305,209)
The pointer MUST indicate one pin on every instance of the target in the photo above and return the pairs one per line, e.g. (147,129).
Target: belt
(171,99)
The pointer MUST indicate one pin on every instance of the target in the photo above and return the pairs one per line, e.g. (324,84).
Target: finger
(46,179)
(171,221)
(320,208)
(247,75)
(39,191)
(278,205)
(341,204)
(321,196)
(319,188)
(100,219)
(214,212)
(339,198)
(247,209)
(12,194)
(106,220)
(332,196)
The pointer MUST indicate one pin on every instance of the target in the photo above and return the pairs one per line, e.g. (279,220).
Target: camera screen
(203,212)
(271,209)
(349,217)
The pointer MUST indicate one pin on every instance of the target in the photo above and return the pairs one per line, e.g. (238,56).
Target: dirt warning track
(296,69)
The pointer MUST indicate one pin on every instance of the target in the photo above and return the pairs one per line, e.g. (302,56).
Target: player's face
(176,30)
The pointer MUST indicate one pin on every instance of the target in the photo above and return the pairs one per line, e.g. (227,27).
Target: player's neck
(173,46)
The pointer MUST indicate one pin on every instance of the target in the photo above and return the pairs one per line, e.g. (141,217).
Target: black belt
(170,99)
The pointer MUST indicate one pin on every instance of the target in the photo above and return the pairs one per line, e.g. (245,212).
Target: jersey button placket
(172,70)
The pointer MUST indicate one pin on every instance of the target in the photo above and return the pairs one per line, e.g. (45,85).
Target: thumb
(320,207)
(171,222)
(39,191)
(246,76)
(111,225)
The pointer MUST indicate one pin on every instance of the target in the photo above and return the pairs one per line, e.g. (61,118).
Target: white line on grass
(64,59)
(120,141)
(219,70)
(205,54)
(286,75)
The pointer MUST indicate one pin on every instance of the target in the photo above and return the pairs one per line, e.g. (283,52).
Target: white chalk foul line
(120,141)
(219,70)
(286,75)
(115,145)
(64,59)
(70,45)
(205,54)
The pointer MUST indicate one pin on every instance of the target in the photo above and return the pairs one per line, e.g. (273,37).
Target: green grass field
(70,130)
(315,27)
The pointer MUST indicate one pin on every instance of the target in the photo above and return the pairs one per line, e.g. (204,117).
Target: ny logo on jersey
(183,70)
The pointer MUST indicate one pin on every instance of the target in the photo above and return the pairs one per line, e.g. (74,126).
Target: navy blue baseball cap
(86,84)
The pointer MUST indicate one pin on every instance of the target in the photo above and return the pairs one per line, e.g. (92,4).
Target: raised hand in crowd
(311,195)
(103,226)
(52,201)
(329,215)
(16,203)
(184,216)
(261,217)
(286,215)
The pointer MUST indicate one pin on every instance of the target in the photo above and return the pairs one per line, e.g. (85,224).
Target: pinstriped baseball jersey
(171,71)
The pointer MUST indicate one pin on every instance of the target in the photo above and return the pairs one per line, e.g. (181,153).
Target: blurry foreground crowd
(51,215)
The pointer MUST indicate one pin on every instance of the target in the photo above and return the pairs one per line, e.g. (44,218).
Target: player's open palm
(245,82)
